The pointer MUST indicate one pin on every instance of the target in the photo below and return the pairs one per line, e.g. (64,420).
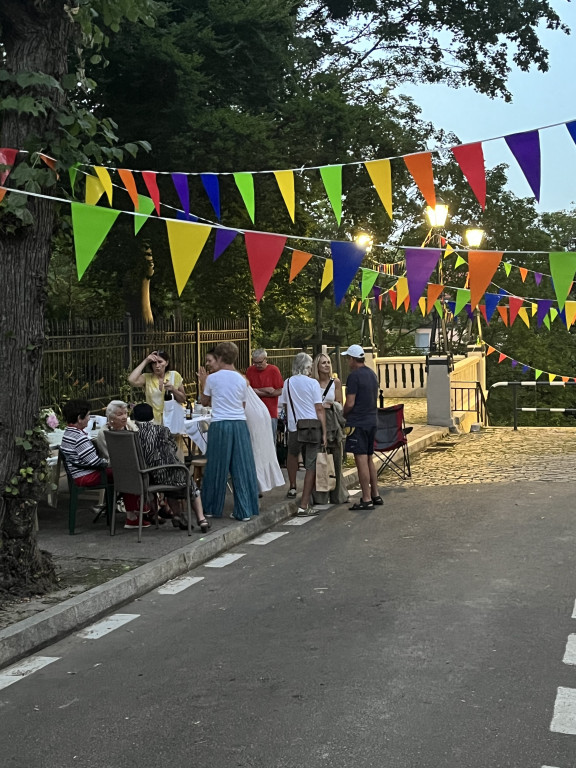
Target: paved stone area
(496,455)
(415,408)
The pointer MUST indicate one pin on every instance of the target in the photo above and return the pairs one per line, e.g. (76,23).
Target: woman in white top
(229,449)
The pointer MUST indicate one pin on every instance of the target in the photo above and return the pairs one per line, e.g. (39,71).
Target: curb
(51,624)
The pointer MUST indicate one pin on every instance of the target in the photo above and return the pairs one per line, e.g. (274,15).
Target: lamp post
(473,237)
(437,217)
(365,240)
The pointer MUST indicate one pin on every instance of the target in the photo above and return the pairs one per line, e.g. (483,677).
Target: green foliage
(32,480)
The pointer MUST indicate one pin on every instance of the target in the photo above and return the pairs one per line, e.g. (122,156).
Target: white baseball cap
(355,350)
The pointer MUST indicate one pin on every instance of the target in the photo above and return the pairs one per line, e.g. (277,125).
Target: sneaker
(240,519)
(131,524)
(292,493)
(306,512)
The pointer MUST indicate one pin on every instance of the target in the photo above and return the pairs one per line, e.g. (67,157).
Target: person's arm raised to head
(136,378)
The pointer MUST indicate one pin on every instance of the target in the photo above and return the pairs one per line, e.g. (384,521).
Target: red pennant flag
(481,268)
(392,295)
(523,273)
(264,251)
(514,303)
(501,357)
(7,157)
(470,158)
(152,187)
(420,166)
(482,308)
(442,241)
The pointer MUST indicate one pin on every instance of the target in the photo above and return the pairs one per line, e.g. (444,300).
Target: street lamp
(364,240)
(473,237)
(437,215)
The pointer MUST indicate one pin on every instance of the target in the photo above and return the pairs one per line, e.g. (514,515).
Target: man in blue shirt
(361,412)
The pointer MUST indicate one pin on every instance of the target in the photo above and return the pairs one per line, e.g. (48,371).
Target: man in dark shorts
(361,412)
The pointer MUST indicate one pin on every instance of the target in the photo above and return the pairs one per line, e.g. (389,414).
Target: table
(194,433)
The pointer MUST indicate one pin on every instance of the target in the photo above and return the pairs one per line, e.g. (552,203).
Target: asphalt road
(429,633)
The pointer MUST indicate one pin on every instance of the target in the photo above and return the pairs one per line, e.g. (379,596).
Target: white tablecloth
(194,433)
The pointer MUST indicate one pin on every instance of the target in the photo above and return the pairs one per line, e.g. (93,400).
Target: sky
(539,99)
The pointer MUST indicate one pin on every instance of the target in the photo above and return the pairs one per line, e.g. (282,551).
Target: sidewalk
(122,569)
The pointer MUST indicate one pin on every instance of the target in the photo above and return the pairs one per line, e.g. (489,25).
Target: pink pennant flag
(470,158)
(264,252)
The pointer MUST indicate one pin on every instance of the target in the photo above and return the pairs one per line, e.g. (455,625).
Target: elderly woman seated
(117,419)
(159,447)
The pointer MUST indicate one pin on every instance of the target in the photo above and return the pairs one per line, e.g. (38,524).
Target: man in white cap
(361,412)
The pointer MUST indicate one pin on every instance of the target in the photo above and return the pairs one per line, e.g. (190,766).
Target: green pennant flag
(332,178)
(459,261)
(245,183)
(439,308)
(145,207)
(91,224)
(553,314)
(73,172)
(507,268)
(537,373)
(369,277)
(462,298)
(562,269)
(547,321)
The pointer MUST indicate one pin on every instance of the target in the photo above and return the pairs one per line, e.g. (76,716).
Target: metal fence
(92,358)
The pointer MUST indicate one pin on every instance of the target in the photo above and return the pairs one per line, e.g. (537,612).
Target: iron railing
(468,397)
(515,389)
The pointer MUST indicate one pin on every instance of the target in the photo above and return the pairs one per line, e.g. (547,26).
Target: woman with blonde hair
(331,387)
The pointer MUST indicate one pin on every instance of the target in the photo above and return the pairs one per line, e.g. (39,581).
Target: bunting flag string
(490,349)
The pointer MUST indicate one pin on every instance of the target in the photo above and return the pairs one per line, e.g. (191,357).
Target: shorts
(309,451)
(361,441)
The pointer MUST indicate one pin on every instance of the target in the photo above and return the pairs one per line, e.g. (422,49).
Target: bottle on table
(188,409)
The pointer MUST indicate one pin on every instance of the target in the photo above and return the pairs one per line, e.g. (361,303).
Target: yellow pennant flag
(448,250)
(105,180)
(534,308)
(381,176)
(523,313)
(328,274)
(402,292)
(352,305)
(551,376)
(422,305)
(570,310)
(94,190)
(186,242)
(285,181)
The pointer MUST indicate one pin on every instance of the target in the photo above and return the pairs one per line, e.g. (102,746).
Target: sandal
(292,493)
(363,505)
(204,525)
(377,501)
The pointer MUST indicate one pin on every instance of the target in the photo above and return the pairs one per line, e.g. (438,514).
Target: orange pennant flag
(503,312)
(50,162)
(130,184)
(565,379)
(433,292)
(523,273)
(299,261)
(359,307)
(380,301)
(481,268)
(420,166)
(490,350)
(407,303)
(392,295)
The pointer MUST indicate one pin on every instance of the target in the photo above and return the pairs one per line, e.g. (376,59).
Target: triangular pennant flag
(572,129)
(451,306)
(369,277)
(381,176)
(422,305)
(523,273)
(377,292)
(537,277)
(507,267)
(481,266)
(392,294)
(543,309)
(433,292)
(490,350)
(534,308)
(565,379)
(186,243)
(420,167)
(346,258)
(402,291)
(470,158)
(514,363)
(420,263)
(144,209)
(7,158)
(299,261)
(152,187)
(515,303)
(181,216)
(212,187)
(224,238)
(128,181)
(462,298)
(439,308)
(525,368)
(526,149)
(91,224)
(553,314)
(407,303)
(570,309)
(72,173)
(503,312)
(546,321)
(264,251)
(180,181)
(537,373)
(491,301)
(50,162)
(562,315)
(285,180)
(551,376)
(104,176)
(563,268)
(94,190)
(332,178)
(359,306)
(459,261)
(245,183)
(501,356)
(327,274)
(353,304)
(443,241)
(482,308)
(380,301)
(448,251)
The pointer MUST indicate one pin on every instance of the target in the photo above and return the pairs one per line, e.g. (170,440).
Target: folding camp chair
(391,443)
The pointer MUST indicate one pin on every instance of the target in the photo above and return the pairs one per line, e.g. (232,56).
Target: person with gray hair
(266,381)
(116,419)
(302,398)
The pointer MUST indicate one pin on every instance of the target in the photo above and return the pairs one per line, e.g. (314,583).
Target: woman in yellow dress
(154,375)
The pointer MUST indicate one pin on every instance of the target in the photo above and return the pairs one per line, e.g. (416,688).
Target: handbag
(308,430)
(325,473)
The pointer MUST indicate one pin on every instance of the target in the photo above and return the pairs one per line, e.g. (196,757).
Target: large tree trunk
(37,35)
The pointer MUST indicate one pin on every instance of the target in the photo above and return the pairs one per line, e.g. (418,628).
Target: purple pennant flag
(377,291)
(526,149)
(491,300)
(420,263)
(346,258)
(212,187)
(181,216)
(180,181)
(537,277)
(572,129)
(469,311)
(223,239)
(543,309)
(514,363)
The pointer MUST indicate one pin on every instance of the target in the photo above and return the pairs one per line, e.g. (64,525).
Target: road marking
(24,668)
(177,585)
(570,652)
(564,718)
(266,538)
(299,520)
(94,631)
(223,560)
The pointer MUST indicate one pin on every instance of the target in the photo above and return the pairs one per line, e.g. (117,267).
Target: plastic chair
(75,491)
(391,441)
(132,476)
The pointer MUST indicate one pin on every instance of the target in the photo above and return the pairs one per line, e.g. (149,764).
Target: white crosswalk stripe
(178,585)
(223,560)
(24,668)
(109,624)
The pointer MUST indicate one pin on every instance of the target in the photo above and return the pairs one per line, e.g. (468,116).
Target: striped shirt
(80,453)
